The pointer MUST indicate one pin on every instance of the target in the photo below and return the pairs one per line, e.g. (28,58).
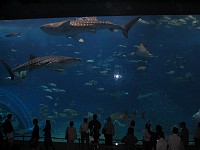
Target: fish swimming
(72,28)
(196,116)
(56,63)
(183,79)
(13,34)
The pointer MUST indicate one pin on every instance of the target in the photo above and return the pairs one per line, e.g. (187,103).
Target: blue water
(17,106)
(165,99)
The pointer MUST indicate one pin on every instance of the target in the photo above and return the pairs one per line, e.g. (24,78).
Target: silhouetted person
(84,131)
(94,126)
(1,134)
(109,132)
(184,135)
(155,137)
(8,130)
(147,137)
(174,141)
(130,140)
(35,135)
(47,136)
(197,137)
(159,131)
(71,135)
(132,124)
(161,142)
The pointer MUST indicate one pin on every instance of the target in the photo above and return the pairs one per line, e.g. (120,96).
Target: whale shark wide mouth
(45,28)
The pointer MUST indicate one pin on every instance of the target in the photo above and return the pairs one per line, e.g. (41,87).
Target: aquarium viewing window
(128,67)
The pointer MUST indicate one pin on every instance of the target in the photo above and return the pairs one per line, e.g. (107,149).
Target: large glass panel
(129,69)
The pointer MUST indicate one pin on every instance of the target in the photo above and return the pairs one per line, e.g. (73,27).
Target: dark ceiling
(22,9)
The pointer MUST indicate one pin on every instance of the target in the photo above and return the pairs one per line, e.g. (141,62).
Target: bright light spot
(117,76)
(116,143)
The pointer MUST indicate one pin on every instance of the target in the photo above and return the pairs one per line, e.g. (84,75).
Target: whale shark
(56,63)
(72,28)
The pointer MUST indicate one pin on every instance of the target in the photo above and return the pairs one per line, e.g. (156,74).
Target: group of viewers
(91,131)
(6,127)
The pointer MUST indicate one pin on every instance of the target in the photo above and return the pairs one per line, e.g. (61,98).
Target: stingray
(142,51)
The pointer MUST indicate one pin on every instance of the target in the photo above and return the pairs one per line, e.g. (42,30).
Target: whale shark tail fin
(128,25)
(9,69)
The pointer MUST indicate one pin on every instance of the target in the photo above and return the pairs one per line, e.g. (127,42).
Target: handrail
(78,139)
(58,138)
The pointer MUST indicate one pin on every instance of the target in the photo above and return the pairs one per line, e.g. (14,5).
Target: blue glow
(15,104)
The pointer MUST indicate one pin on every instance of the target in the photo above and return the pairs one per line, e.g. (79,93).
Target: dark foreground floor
(18,145)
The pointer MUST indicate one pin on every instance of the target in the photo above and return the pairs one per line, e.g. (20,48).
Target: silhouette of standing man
(47,136)
(1,134)
(8,130)
(95,127)
(35,135)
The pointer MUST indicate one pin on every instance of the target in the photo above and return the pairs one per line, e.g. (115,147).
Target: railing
(61,144)
(25,138)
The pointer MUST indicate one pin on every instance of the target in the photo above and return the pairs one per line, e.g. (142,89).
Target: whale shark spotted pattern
(72,28)
(57,63)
